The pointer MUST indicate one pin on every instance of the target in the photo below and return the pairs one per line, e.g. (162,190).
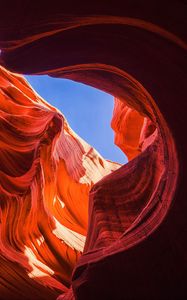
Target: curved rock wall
(46,175)
(135,246)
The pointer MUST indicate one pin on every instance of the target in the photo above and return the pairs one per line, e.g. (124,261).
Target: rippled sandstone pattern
(46,174)
(135,245)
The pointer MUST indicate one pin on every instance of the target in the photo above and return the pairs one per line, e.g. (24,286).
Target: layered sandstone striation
(61,199)
(46,174)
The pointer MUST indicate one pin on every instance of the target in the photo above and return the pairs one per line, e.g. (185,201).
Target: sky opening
(87,110)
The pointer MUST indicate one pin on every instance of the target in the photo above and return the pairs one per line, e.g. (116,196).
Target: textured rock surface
(137,53)
(46,175)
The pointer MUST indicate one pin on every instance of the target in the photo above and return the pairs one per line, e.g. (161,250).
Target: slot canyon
(74,225)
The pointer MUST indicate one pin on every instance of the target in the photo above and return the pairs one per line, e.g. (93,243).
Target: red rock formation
(135,246)
(46,175)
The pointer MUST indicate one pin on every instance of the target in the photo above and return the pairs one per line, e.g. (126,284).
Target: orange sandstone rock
(135,244)
(46,174)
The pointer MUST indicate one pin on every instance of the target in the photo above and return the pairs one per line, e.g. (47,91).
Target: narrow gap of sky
(87,110)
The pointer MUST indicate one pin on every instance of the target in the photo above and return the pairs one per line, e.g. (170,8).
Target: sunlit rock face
(133,132)
(133,241)
(46,174)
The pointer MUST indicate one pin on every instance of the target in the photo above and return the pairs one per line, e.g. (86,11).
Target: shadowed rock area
(59,197)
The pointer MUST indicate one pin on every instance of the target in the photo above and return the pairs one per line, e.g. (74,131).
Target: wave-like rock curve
(46,174)
(135,241)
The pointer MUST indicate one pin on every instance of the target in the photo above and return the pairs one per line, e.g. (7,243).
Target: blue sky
(87,110)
